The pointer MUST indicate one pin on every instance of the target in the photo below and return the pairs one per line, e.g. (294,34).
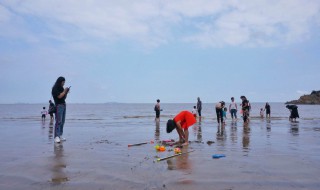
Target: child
(261,113)
(224,114)
(181,123)
(194,111)
(43,114)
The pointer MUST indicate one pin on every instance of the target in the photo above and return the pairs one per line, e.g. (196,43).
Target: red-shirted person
(181,123)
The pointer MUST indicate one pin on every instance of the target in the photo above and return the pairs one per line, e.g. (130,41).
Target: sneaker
(62,139)
(57,139)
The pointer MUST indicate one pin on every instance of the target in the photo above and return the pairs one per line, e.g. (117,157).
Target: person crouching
(181,122)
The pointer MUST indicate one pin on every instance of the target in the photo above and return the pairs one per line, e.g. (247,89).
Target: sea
(270,153)
(111,112)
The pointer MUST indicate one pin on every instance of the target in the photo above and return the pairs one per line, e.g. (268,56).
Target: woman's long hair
(59,82)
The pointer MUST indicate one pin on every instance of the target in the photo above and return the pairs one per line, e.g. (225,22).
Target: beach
(266,154)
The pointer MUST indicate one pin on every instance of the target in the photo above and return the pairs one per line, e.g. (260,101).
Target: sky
(173,50)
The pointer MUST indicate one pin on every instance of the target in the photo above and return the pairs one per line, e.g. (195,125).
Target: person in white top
(233,108)
(261,113)
(194,111)
(43,113)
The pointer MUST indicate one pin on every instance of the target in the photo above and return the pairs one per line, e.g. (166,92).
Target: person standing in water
(59,95)
(219,111)
(43,114)
(199,107)
(157,110)
(194,112)
(233,108)
(268,110)
(245,109)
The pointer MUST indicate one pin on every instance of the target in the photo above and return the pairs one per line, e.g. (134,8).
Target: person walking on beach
(268,110)
(51,111)
(43,114)
(157,110)
(59,95)
(199,107)
(181,122)
(245,109)
(219,111)
(233,109)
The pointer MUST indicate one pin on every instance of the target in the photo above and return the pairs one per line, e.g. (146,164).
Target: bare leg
(186,133)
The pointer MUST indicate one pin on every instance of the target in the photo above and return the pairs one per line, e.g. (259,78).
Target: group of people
(183,120)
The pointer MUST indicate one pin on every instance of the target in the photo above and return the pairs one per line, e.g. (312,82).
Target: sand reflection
(157,130)
(58,165)
(199,134)
(294,129)
(246,138)
(221,135)
(233,132)
(180,162)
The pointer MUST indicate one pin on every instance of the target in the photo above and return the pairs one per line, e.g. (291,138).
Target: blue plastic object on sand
(218,156)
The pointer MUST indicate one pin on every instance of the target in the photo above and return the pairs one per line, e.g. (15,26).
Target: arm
(64,93)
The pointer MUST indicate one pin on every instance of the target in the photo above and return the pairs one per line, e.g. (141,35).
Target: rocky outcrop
(313,98)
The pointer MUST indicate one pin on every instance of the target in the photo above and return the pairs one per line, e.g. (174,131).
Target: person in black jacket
(51,110)
(293,112)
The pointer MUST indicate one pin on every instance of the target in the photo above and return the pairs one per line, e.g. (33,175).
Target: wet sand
(264,155)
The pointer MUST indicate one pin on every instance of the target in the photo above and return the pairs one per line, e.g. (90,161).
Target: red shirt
(186,118)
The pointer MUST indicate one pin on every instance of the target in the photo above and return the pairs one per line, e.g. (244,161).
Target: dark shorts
(43,116)
(157,114)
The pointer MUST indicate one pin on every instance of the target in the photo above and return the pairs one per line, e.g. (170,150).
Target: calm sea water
(116,112)
(268,154)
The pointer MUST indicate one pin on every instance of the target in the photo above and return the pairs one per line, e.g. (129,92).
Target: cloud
(154,23)
(302,92)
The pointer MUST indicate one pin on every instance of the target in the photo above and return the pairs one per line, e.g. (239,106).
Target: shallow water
(266,154)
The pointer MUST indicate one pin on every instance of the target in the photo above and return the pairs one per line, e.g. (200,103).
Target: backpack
(52,109)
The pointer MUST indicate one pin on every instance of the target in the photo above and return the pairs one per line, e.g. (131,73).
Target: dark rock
(313,98)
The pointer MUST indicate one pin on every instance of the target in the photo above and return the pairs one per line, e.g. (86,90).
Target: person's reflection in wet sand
(43,123)
(294,129)
(233,132)
(199,134)
(221,136)
(50,134)
(268,125)
(246,138)
(58,165)
(157,131)
(180,162)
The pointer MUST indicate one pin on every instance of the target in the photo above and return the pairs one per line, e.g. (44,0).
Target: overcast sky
(174,50)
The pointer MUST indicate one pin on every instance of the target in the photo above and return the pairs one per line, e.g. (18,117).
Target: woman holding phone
(59,94)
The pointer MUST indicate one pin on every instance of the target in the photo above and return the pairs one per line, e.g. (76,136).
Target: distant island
(313,98)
